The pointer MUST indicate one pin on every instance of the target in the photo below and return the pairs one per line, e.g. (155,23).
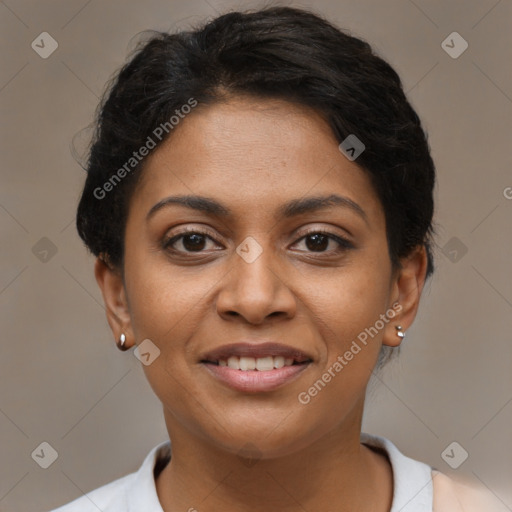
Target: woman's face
(254,272)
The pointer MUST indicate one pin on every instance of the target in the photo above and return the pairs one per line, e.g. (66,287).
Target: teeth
(265,363)
(279,361)
(251,363)
(234,362)
(247,363)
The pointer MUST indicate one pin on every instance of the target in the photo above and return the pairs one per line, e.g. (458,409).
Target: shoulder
(419,487)
(451,495)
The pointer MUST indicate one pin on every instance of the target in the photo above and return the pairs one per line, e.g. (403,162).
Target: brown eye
(191,241)
(318,241)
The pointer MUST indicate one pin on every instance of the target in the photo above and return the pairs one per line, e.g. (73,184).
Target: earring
(399,333)
(121,343)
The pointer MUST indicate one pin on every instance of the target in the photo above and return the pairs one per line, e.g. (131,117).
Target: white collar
(412,479)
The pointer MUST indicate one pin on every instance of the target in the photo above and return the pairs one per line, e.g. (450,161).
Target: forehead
(251,152)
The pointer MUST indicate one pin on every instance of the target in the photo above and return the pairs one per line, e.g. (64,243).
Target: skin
(252,156)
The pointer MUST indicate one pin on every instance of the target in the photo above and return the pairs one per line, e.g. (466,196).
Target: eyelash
(343,243)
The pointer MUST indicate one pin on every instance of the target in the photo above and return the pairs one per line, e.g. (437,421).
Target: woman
(259,198)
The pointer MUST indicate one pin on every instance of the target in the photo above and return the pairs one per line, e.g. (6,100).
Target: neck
(334,473)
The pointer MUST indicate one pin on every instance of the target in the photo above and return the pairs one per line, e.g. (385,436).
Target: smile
(253,368)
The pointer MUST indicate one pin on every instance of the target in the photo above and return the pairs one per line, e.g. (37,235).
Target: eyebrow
(292,208)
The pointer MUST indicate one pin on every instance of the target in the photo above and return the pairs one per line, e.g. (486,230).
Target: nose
(255,289)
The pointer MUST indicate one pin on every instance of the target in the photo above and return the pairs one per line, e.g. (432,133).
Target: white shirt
(414,484)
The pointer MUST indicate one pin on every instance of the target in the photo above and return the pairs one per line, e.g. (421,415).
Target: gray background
(63,381)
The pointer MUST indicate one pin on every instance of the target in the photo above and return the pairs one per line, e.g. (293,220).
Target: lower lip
(254,381)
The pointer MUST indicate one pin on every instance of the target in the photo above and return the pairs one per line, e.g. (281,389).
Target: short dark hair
(275,52)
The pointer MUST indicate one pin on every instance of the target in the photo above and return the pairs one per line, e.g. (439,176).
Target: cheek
(164,300)
(348,302)
(347,311)
(166,306)
(338,385)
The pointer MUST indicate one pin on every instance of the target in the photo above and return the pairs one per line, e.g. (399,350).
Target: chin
(264,433)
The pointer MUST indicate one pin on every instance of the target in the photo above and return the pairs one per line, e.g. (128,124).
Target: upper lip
(256,350)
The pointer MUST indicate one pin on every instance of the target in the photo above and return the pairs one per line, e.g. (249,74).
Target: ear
(406,287)
(112,288)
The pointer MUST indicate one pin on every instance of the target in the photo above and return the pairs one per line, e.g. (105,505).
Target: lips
(255,367)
